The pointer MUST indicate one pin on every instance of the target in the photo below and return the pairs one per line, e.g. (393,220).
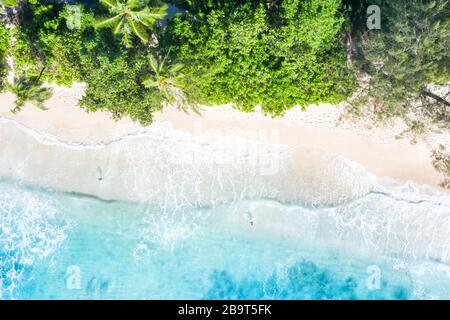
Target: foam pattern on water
(211,218)
(138,251)
(379,224)
(170,169)
(30,229)
(167,228)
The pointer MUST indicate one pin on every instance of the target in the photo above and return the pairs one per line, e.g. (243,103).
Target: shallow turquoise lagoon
(64,246)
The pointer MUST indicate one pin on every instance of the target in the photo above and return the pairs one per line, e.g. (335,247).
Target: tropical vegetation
(135,56)
(441,161)
(4,45)
(29,89)
(131,17)
(251,53)
(409,52)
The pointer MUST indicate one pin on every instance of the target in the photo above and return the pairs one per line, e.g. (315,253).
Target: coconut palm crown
(165,78)
(29,89)
(130,18)
(170,80)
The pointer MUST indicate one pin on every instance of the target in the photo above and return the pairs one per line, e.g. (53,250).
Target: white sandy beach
(341,186)
(319,129)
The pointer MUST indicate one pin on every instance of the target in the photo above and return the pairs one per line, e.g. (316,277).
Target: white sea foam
(396,225)
(168,168)
(163,229)
(319,197)
(31,229)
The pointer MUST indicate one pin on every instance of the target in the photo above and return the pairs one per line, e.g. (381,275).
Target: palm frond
(107,22)
(176,82)
(149,15)
(134,4)
(150,82)
(176,68)
(153,64)
(118,27)
(139,30)
(29,90)
(168,96)
(131,17)
(110,3)
(126,35)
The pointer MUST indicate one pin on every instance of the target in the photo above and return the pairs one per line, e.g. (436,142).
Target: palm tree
(169,80)
(164,78)
(131,17)
(29,89)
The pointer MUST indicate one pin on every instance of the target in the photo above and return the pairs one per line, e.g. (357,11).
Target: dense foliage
(80,53)
(134,55)
(4,39)
(410,51)
(29,89)
(248,53)
(130,18)
(441,161)
(115,85)
(278,53)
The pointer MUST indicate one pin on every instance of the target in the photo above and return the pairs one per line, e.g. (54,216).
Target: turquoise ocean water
(56,245)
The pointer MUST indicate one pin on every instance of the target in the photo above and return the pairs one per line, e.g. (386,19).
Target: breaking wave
(180,188)
(31,229)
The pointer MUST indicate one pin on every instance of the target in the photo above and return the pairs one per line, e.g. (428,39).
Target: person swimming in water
(250,217)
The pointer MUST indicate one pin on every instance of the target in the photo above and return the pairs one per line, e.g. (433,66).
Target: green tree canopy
(277,54)
(410,51)
(29,89)
(131,17)
(4,46)
(165,77)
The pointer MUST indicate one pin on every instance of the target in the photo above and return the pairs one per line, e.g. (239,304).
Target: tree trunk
(40,74)
(436,97)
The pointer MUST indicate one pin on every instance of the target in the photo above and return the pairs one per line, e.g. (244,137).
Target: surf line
(419,201)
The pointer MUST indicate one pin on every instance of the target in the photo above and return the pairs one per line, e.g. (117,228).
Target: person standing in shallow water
(100,174)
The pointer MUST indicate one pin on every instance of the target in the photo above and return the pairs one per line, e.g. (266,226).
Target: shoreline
(389,158)
(318,129)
